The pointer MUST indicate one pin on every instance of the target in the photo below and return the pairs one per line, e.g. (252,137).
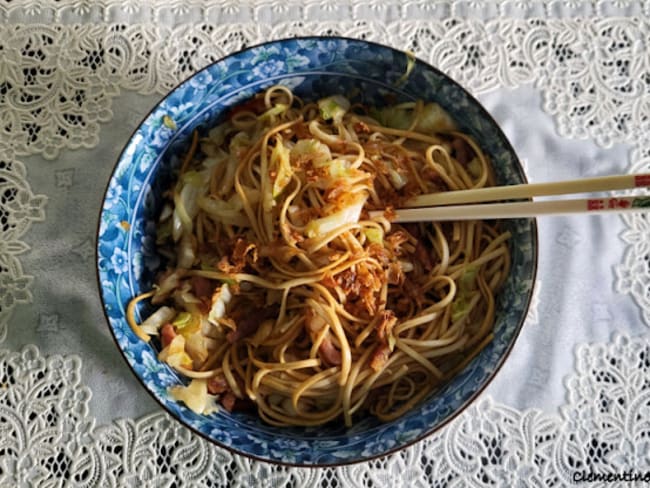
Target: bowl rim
(430,430)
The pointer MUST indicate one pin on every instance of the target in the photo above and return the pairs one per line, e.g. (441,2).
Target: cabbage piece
(210,330)
(174,354)
(181,221)
(432,119)
(195,396)
(181,320)
(239,142)
(474,167)
(195,346)
(466,285)
(217,157)
(228,179)
(397,179)
(281,166)
(406,266)
(217,135)
(165,221)
(184,299)
(394,117)
(467,281)
(391,342)
(435,119)
(347,215)
(194,184)
(156,320)
(195,178)
(186,203)
(340,173)
(209,148)
(228,211)
(220,299)
(374,235)
(185,255)
(165,213)
(187,324)
(211,162)
(273,111)
(340,168)
(222,208)
(333,108)
(310,150)
(169,282)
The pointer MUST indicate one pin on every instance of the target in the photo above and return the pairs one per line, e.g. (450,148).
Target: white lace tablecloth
(569,82)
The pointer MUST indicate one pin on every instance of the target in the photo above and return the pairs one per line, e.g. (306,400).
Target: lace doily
(49,439)
(62,64)
(57,82)
(633,274)
(274,11)
(19,208)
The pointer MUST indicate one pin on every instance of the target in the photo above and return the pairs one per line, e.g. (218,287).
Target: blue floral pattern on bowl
(313,68)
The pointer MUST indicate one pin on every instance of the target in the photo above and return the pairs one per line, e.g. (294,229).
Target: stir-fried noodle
(283,296)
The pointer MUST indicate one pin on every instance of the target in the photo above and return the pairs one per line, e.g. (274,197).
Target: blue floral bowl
(313,68)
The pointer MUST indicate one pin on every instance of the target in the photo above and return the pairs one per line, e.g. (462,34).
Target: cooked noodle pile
(283,296)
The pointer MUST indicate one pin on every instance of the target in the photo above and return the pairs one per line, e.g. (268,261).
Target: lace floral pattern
(633,273)
(57,82)
(48,434)
(19,208)
(274,11)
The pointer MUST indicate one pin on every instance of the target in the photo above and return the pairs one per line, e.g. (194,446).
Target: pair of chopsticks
(471,204)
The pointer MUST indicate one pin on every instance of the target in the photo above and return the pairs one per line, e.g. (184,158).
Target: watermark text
(630,476)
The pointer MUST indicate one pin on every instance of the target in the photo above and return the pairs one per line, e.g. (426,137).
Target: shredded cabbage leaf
(374,235)
(195,396)
(196,347)
(347,215)
(333,108)
(435,119)
(174,354)
(273,111)
(227,211)
(281,165)
(156,320)
(220,300)
(310,150)
(466,286)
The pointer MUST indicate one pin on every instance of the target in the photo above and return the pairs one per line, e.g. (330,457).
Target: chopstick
(513,192)
(514,210)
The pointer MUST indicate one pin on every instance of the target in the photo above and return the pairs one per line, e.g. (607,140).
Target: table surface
(568,81)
